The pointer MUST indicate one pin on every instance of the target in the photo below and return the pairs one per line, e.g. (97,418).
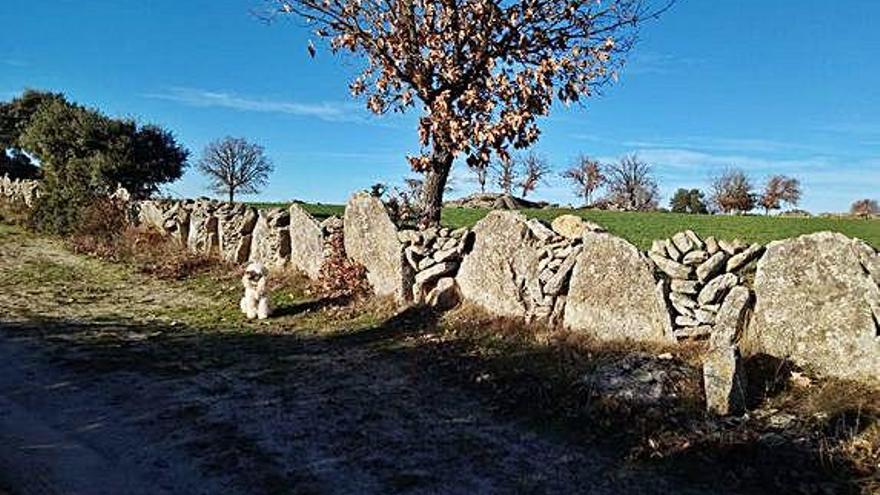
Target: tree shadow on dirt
(534,385)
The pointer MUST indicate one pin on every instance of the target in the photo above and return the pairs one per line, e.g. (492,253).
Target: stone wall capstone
(818,305)
(371,239)
(614,294)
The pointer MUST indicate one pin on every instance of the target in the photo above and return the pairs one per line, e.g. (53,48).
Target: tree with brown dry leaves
(586,176)
(865,208)
(780,189)
(631,184)
(732,192)
(481,71)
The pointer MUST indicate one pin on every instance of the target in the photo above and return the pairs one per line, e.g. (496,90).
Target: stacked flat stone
(435,255)
(19,191)
(168,217)
(700,274)
(235,226)
(556,260)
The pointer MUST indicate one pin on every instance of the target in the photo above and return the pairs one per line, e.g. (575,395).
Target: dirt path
(95,398)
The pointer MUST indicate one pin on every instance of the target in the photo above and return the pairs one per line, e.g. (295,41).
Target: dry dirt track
(99,401)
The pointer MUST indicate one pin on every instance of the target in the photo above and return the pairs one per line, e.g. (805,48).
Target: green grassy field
(641,228)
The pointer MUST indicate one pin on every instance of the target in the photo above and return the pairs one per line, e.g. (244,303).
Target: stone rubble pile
(699,274)
(434,255)
(19,191)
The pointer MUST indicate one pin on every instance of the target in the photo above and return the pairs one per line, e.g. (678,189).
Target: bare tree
(234,165)
(506,175)
(533,168)
(864,208)
(586,176)
(732,192)
(482,71)
(481,174)
(780,189)
(631,185)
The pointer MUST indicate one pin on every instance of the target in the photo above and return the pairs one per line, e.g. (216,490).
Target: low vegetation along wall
(813,299)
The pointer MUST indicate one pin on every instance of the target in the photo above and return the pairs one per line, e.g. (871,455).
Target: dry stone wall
(18,191)
(814,299)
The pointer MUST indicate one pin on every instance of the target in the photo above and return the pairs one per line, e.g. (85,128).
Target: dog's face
(255,271)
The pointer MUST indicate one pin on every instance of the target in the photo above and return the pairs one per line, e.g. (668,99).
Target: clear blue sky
(790,86)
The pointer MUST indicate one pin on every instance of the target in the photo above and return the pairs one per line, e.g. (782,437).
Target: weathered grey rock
(742,259)
(557,283)
(639,379)
(446,254)
(869,259)
(425,280)
(683,243)
(540,230)
(686,321)
(705,317)
(270,240)
(695,239)
(727,246)
(672,252)
(716,288)
(573,227)
(500,273)
(816,305)
(203,237)
(613,293)
(371,240)
(724,381)
(306,242)
(694,332)
(235,224)
(730,322)
(695,258)
(712,266)
(659,247)
(444,295)
(685,286)
(671,268)
(712,246)
(409,236)
(682,303)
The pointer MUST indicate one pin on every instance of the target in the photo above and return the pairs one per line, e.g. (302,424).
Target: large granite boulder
(202,237)
(371,240)
(818,305)
(306,242)
(235,224)
(613,294)
(500,274)
(270,241)
(573,226)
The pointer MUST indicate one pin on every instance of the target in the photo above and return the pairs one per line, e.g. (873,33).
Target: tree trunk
(433,187)
(231,195)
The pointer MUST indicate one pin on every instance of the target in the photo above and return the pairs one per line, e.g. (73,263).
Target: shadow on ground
(383,401)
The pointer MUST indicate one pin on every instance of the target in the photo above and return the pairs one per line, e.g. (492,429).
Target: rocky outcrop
(270,242)
(306,242)
(818,305)
(613,293)
(371,239)
(699,274)
(235,226)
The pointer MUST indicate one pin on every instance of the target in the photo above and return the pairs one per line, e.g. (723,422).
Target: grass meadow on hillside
(641,228)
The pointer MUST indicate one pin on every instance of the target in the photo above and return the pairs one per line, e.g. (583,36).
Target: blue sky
(789,86)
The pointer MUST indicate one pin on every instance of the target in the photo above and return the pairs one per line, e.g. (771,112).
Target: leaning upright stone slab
(613,295)
(235,224)
(371,240)
(501,271)
(306,242)
(202,237)
(270,241)
(817,305)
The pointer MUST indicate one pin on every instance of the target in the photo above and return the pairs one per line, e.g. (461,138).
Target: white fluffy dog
(255,303)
